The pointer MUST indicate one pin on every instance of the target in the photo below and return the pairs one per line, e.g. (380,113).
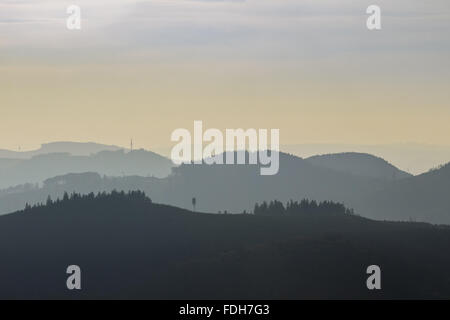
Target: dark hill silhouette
(129,247)
(111,163)
(360,164)
(415,158)
(15,198)
(236,188)
(421,198)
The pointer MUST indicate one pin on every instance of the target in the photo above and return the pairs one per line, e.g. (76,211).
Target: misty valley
(338,226)
(225,158)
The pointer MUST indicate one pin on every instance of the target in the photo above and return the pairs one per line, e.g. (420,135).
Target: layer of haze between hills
(370,185)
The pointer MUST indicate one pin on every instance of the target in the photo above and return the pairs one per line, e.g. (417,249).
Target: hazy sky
(144,68)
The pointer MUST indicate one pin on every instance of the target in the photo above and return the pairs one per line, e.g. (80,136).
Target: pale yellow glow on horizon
(111,103)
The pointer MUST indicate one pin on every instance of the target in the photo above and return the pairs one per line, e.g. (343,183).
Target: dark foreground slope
(128,247)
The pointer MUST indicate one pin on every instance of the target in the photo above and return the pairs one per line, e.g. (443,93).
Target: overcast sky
(144,68)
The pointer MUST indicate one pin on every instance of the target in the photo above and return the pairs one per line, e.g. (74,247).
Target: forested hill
(236,188)
(360,164)
(129,247)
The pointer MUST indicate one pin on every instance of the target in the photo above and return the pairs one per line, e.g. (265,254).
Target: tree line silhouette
(305,206)
(135,196)
(272,208)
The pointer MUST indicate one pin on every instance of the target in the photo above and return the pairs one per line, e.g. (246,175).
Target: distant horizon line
(324,144)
